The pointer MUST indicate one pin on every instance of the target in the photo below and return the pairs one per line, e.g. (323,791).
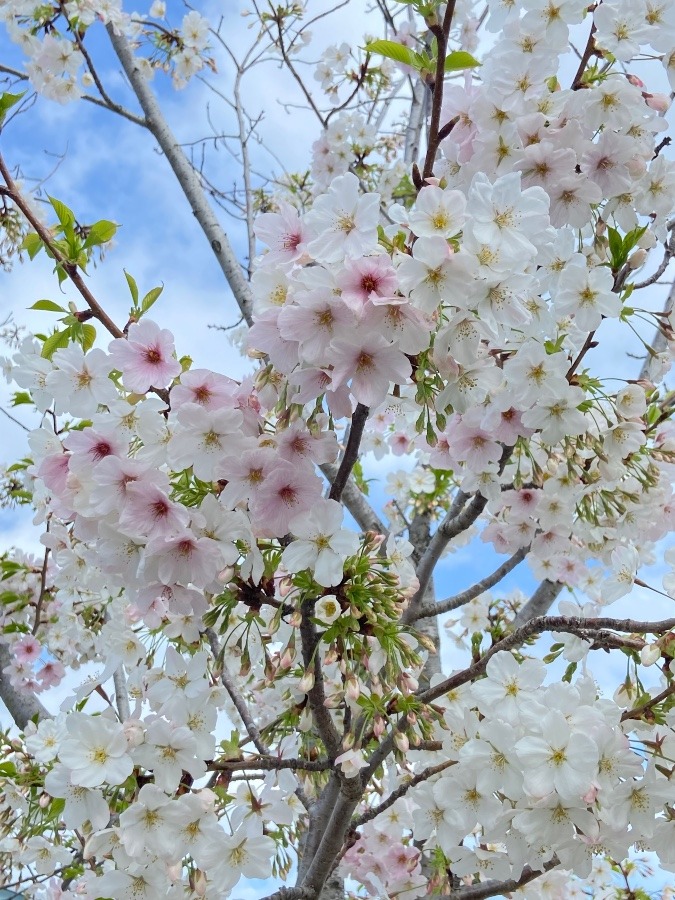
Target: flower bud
(307,681)
(658,102)
(637,259)
(402,742)
(649,654)
(133,732)
(352,687)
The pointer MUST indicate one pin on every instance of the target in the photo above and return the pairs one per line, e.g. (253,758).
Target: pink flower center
(100,450)
(288,495)
(153,356)
(160,508)
(202,394)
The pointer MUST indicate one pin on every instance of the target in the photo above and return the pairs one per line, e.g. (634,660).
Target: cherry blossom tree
(255,565)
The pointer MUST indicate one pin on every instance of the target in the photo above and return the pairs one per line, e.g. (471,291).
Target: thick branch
(316,695)
(539,603)
(333,837)
(22,705)
(269,764)
(449,528)
(185,174)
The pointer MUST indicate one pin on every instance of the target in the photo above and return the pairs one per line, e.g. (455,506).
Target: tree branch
(401,791)
(359,418)
(186,176)
(356,503)
(471,593)
(316,694)
(449,528)
(47,239)
(539,603)
(493,888)
(557,624)
(240,704)
(638,711)
(21,705)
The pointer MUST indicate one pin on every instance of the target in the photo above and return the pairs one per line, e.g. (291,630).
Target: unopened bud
(402,742)
(637,259)
(649,654)
(307,681)
(660,103)
(352,687)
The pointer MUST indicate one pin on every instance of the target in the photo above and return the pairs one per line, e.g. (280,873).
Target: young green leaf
(48,306)
(100,233)
(32,244)
(65,215)
(133,287)
(394,51)
(88,337)
(7,101)
(460,59)
(150,298)
(55,342)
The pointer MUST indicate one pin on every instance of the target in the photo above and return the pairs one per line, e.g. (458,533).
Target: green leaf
(150,298)
(48,306)
(100,233)
(460,59)
(569,671)
(632,238)
(55,342)
(32,244)
(65,215)
(615,246)
(133,287)
(88,337)
(394,51)
(21,398)
(7,101)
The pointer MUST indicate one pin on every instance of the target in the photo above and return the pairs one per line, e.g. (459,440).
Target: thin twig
(495,888)
(471,593)
(639,711)
(401,791)
(43,589)
(350,457)
(12,419)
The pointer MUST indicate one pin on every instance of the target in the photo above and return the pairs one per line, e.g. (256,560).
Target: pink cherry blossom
(146,358)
